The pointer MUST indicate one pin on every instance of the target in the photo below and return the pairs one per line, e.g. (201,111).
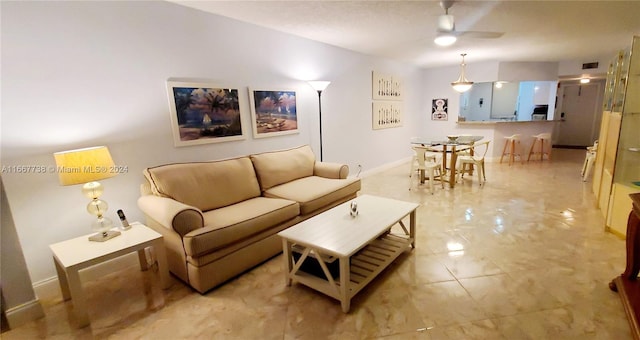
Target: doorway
(579,114)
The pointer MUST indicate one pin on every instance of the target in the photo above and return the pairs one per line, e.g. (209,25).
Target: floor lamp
(320,85)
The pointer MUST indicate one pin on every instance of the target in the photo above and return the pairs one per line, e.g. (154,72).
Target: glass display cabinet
(626,177)
(617,169)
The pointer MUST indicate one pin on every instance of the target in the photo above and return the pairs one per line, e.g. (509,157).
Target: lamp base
(104,236)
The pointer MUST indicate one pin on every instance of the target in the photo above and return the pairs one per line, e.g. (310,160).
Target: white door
(579,108)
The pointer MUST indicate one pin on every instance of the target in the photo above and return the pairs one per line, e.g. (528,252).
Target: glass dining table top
(431,141)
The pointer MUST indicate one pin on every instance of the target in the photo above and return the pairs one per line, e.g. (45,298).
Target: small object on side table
(123,219)
(353,209)
(627,284)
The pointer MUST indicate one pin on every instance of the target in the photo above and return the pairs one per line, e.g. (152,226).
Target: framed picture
(440,109)
(273,112)
(203,113)
(386,115)
(386,87)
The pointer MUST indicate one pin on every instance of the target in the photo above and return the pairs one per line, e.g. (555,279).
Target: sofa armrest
(331,170)
(171,214)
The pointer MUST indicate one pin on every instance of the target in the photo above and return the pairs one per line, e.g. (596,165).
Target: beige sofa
(220,218)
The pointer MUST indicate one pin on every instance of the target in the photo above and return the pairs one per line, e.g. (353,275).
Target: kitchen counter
(492,122)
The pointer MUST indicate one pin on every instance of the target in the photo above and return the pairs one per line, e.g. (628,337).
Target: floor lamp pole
(320,85)
(320,118)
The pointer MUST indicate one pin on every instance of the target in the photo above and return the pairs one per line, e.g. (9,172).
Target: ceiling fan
(447,33)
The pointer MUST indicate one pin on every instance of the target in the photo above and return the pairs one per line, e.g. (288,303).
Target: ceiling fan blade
(446,25)
(480,34)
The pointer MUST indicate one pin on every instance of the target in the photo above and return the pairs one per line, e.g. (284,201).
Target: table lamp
(87,166)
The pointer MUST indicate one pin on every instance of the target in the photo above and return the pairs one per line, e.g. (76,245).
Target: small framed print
(273,112)
(386,87)
(439,109)
(203,113)
(386,115)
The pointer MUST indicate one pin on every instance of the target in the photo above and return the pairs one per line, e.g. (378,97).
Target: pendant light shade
(462,84)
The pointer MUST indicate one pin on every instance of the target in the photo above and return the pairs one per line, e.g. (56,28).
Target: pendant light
(462,84)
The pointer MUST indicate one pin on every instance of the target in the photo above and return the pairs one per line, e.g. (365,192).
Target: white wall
(574,67)
(504,102)
(527,71)
(472,109)
(78,74)
(19,302)
(437,84)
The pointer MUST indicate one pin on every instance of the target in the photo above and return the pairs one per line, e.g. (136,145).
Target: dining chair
(540,139)
(477,160)
(510,145)
(589,160)
(465,138)
(429,156)
(431,169)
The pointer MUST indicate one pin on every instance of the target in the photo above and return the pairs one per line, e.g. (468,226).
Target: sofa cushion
(315,192)
(205,185)
(230,224)
(277,167)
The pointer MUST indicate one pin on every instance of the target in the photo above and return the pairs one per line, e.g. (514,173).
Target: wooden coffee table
(363,245)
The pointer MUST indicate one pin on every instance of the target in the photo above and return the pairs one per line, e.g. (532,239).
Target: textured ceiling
(404,30)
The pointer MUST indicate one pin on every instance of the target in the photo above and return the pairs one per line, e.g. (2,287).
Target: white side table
(79,253)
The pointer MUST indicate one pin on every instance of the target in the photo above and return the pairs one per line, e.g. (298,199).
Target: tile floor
(525,257)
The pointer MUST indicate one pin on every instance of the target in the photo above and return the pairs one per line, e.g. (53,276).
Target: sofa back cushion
(277,167)
(205,185)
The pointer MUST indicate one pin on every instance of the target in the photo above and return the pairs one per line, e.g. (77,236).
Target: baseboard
(615,232)
(383,167)
(19,315)
(570,146)
(49,289)
(387,166)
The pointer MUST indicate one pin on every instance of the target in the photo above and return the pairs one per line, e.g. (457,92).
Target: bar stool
(510,148)
(540,138)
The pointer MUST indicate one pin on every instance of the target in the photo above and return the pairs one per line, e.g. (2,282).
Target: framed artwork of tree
(204,113)
(273,112)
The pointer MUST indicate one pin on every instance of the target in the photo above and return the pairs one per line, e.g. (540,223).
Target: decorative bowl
(452,138)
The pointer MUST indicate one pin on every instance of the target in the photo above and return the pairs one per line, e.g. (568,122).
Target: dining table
(446,146)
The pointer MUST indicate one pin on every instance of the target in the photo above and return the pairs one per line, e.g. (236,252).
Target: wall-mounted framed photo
(386,87)
(203,113)
(440,109)
(273,112)
(386,114)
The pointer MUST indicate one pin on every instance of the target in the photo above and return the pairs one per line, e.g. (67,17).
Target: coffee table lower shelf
(363,267)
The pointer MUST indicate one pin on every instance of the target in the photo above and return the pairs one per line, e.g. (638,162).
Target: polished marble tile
(446,303)
(481,330)
(524,257)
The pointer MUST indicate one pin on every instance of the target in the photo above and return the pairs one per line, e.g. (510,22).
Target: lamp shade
(319,85)
(445,39)
(462,84)
(84,165)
